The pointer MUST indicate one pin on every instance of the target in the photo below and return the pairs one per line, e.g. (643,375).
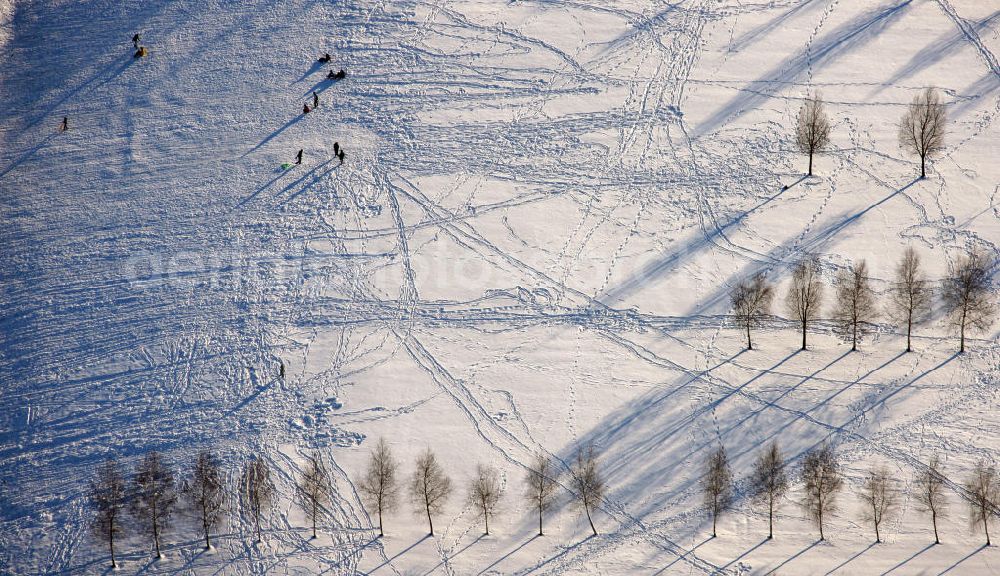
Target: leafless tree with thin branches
(769,482)
(922,128)
(484,493)
(588,482)
(984,496)
(879,496)
(855,308)
(812,130)
(379,486)
(429,487)
(717,485)
(205,495)
(256,490)
(967,295)
(823,481)
(911,295)
(540,484)
(108,497)
(805,295)
(153,496)
(751,300)
(314,489)
(930,493)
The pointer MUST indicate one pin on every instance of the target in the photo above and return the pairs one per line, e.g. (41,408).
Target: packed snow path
(528,248)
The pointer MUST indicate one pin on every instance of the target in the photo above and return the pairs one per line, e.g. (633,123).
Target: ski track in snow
(526,209)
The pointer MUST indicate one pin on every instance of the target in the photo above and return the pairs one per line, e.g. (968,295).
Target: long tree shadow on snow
(851,35)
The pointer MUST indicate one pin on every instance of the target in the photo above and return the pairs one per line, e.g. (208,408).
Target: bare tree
(588,482)
(751,300)
(430,487)
(921,130)
(718,485)
(153,496)
(911,296)
(769,482)
(205,493)
(821,475)
(541,486)
(805,295)
(314,490)
(256,490)
(812,131)
(879,496)
(966,294)
(855,302)
(108,497)
(378,486)
(984,495)
(930,493)
(484,493)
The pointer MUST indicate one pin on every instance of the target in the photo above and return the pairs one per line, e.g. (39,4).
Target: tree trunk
(540,520)
(770,518)
(854,337)
(111,544)
(749,343)
(430,521)
(715,516)
(986,525)
(810,163)
(314,503)
(486,518)
(204,523)
(934,521)
(589,519)
(821,524)
(923,171)
(803,334)
(961,336)
(381,533)
(909,329)
(156,532)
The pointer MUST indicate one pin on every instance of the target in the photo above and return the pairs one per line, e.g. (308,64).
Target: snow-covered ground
(527,249)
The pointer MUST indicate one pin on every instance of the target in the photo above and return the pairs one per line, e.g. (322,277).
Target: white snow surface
(527,249)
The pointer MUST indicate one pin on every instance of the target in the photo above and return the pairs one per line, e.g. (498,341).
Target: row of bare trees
(822,482)
(921,129)
(151,497)
(965,296)
(430,488)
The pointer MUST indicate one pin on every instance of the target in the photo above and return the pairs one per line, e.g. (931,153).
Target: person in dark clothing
(282,370)
(325,58)
(306,109)
(341,155)
(298,157)
(336,148)
(65,124)
(135,41)
(340,75)
(315,100)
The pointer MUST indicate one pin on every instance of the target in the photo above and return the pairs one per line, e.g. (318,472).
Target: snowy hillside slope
(528,249)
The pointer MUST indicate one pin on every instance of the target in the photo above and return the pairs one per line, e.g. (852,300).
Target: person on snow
(135,41)
(336,75)
(315,100)
(325,58)
(282,369)
(298,157)
(65,124)
(336,148)
(341,156)
(306,109)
